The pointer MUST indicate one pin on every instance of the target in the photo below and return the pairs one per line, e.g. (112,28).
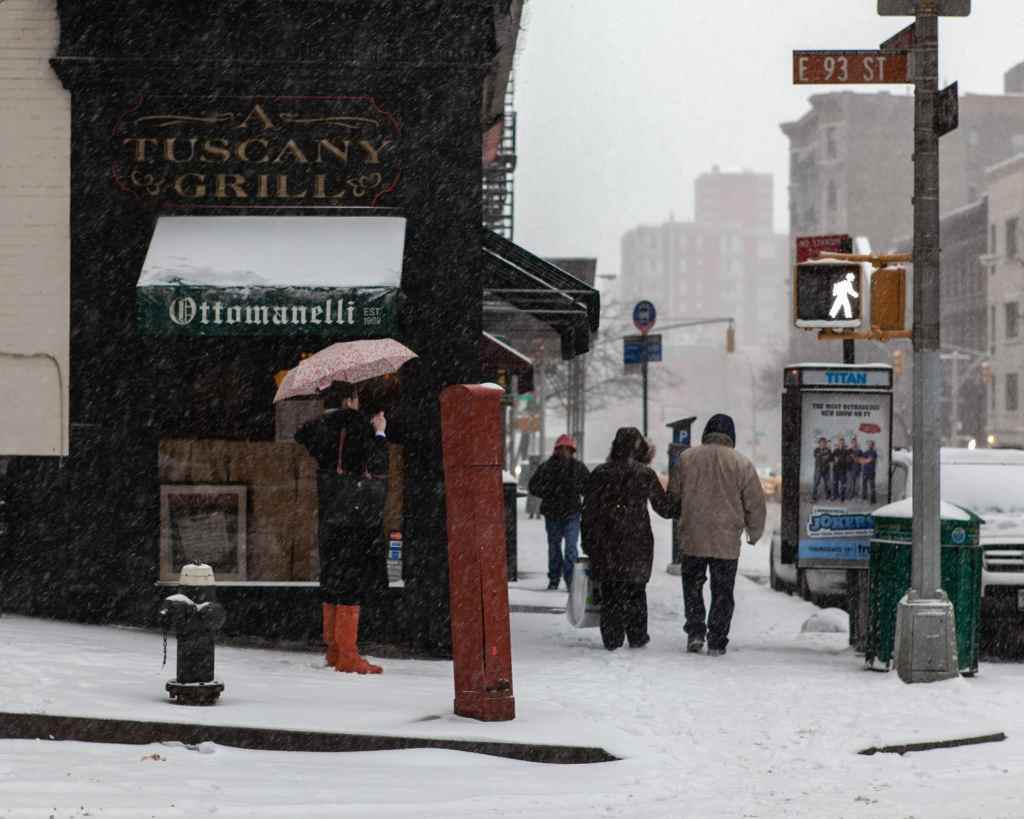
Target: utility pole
(925,629)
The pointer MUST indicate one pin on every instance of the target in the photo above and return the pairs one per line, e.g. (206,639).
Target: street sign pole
(925,632)
(643,371)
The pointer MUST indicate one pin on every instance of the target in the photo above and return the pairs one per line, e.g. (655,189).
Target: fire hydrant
(196,617)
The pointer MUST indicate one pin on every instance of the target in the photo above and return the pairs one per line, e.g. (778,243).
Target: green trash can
(889,579)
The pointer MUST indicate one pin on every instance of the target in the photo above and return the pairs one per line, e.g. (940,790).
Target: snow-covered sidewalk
(770,729)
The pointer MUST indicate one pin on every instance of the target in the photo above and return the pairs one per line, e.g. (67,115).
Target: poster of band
(845,450)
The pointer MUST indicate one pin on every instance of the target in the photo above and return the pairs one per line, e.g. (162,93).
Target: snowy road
(769,730)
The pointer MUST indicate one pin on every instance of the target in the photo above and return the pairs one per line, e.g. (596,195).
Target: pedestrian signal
(827,294)
(897,362)
(986,372)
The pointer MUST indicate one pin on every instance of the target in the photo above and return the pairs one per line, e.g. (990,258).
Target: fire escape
(498,188)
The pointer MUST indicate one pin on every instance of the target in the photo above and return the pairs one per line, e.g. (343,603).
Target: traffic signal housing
(889,298)
(827,294)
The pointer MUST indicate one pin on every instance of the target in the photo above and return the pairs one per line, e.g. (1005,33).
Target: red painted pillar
(478,583)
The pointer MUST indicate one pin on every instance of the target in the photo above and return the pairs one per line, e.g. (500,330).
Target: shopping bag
(584,606)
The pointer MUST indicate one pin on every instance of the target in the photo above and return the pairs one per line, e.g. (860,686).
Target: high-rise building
(727,262)
(1005,263)
(742,199)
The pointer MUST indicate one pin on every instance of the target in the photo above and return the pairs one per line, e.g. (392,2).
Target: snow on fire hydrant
(196,617)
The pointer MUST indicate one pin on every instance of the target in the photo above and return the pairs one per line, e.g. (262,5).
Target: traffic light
(827,295)
(897,362)
(888,298)
(730,339)
(986,372)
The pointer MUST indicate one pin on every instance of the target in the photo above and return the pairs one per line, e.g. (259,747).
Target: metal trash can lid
(958,526)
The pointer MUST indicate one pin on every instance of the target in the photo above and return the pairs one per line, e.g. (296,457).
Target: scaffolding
(498,188)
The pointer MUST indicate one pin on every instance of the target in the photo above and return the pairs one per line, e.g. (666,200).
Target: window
(1012,314)
(1011,238)
(1011,392)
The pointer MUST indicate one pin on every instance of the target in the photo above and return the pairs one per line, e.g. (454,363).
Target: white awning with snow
(272,275)
(275,251)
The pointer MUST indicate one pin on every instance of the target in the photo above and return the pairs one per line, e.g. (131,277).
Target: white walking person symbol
(842,292)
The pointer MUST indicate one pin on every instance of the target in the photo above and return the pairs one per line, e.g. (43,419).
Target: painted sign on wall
(250,151)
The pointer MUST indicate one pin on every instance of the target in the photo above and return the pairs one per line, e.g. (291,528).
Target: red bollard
(478,581)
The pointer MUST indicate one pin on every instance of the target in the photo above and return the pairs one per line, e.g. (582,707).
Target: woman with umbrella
(351,502)
(351,516)
(616,529)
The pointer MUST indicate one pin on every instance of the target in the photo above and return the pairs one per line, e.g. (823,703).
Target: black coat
(322,436)
(560,484)
(352,551)
(616,525)
(351,506)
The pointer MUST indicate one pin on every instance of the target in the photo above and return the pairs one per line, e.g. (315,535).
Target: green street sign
(191,310)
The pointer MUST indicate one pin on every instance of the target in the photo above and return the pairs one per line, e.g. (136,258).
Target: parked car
(988,482)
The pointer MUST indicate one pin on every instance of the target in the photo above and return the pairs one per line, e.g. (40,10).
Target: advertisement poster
(844,473)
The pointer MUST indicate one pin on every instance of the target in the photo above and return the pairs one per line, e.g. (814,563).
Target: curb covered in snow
(137,732)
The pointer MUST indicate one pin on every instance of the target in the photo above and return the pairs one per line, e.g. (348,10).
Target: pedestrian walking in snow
(351,508)
(617,535)
(559,482)
(720,495)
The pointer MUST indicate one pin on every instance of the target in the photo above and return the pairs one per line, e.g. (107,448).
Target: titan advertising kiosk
(836,457)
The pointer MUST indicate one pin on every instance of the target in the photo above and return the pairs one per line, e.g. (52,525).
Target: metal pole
(925,620)
(927,364)
(643,370)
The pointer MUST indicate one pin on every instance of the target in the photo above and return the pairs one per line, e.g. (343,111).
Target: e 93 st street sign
(850,67)
(908,8)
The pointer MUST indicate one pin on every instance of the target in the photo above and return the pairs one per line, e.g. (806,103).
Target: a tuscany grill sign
(252,152)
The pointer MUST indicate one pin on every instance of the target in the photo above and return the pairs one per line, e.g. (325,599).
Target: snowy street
(770,729)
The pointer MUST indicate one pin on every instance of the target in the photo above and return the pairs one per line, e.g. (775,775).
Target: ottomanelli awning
(516,281)
(272,276)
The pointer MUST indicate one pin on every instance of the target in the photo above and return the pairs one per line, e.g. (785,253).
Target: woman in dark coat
(617,535)
(351,508)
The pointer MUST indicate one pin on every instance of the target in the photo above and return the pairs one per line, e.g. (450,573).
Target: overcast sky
(622,104)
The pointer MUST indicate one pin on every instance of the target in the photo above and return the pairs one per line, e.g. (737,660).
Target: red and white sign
(808,247)
(850,67)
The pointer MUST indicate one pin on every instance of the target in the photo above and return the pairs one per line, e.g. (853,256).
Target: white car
(988,482)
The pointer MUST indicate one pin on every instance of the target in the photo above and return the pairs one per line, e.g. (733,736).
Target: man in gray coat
(720,494)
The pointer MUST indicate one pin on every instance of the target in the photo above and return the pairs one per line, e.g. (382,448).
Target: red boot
(328,633)
(346,632)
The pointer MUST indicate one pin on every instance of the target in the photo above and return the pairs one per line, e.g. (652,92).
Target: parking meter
(680,443)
